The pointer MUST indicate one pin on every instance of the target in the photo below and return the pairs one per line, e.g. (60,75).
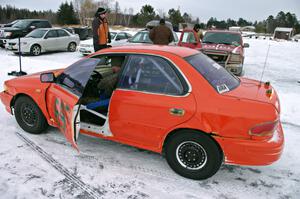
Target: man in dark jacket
(101,35)
(161,34)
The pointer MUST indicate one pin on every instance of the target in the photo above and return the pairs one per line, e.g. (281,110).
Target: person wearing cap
(101,35)
(197,30)
(161,35)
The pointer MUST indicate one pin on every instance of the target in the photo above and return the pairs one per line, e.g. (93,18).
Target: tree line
(82,12)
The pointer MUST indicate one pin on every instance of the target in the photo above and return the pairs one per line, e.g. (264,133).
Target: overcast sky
(204,9)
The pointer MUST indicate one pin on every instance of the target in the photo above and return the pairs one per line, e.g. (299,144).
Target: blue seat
(103,102)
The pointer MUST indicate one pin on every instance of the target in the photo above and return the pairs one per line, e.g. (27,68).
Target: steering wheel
(96,76)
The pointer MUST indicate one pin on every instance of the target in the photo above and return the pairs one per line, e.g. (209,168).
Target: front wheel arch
(35,44)
(29,115)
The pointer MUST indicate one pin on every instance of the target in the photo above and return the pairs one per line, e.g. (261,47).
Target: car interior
(98,91)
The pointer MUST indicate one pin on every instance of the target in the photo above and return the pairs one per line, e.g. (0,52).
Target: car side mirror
(47,77)
(129,40)
(246,45)
(118,39)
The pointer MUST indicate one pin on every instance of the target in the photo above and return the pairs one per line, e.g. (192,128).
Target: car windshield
(141,37)
(112,34)
(21,24)
(76,76)
(36,33)
(222,38)
(215,74)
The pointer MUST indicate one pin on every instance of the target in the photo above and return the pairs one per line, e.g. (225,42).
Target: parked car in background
(117,38)
(21,28)
(70,30)
(44,40)
(83,32)
(296,38)
(142,37)
(226,48)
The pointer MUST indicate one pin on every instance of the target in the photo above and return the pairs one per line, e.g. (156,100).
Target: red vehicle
(224,47)
(190,39)
(169,100)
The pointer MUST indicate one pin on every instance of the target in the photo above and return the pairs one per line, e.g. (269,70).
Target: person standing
(161,35)
(197,29)
(101,35)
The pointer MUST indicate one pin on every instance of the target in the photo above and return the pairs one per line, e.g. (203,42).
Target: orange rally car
(170,100)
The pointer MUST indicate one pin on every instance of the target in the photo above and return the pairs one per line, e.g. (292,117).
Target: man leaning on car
(101,34)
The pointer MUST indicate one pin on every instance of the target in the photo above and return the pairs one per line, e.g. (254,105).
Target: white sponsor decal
(222,88)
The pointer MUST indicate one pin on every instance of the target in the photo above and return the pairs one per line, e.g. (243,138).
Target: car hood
(8,29)
(31,81)
(256,91)
(222,47)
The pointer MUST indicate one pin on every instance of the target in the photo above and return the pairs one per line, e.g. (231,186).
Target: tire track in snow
(90,191)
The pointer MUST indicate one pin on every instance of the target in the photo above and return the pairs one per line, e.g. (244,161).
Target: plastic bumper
(15,48)
(6,100)
(253,152)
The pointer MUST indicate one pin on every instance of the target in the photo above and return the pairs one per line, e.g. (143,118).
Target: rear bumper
(253,152)
(6,100)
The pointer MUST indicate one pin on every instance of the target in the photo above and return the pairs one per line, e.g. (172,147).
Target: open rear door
(63,96)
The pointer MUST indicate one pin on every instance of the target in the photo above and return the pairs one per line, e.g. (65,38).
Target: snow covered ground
(111,170)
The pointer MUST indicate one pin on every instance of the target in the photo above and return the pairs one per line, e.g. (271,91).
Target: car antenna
(265,64)
(18,73)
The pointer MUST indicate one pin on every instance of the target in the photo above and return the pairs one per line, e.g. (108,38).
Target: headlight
(235,58)
(7,34)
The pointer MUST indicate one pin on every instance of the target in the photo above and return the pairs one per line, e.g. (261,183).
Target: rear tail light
(264,129)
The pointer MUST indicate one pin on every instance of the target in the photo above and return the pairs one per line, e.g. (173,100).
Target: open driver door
(63,95)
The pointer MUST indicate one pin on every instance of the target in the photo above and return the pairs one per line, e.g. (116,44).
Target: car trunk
(254,90)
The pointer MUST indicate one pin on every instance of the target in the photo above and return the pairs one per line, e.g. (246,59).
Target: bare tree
(161,13)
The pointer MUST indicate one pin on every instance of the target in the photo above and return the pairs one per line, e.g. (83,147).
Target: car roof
(151,49)
(56,28)
(224,31)
(32,19)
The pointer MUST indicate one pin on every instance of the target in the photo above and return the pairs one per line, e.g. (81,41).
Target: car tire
(193,155)
(72,47)
(29,116)
(35,50)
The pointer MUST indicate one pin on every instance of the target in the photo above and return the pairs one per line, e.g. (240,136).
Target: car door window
(36,24)
(188,37)
(150,74)
(62,33)
(75,77)
(121,36)
(52,34)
